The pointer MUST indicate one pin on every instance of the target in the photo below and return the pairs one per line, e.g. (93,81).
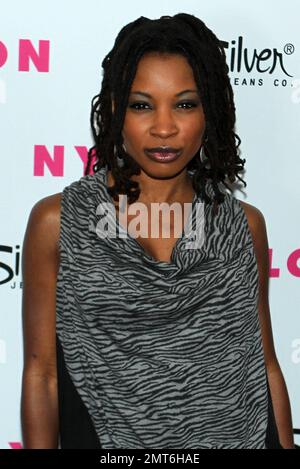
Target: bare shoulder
(44,221)
(48,207)
(256,221)
(258,230)
(253,214)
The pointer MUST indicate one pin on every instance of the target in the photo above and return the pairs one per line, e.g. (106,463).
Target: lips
(163,155)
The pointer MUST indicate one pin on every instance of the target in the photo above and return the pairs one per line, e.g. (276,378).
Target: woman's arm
(278,389)
(281,405)
(40,261)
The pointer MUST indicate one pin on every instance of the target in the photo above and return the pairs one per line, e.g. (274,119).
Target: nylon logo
(29,55)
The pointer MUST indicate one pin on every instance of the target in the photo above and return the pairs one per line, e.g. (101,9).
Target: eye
(137,106)
(133,105)
(190,104)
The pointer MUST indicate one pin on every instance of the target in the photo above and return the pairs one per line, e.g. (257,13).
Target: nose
(163,124)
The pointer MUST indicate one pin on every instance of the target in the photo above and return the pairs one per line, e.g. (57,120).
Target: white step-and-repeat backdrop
(50,68)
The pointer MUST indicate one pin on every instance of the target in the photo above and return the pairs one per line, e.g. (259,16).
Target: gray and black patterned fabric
(162,355)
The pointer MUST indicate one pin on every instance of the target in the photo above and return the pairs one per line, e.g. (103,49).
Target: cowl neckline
(182,256)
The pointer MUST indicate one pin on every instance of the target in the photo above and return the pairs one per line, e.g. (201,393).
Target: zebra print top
(162,355)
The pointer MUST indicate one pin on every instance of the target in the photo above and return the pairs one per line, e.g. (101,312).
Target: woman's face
(164,118)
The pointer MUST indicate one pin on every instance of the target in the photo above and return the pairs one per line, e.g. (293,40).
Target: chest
(157,234)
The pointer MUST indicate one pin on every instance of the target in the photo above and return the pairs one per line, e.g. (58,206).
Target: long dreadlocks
(182,34)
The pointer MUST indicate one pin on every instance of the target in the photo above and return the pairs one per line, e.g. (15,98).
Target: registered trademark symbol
(289,49)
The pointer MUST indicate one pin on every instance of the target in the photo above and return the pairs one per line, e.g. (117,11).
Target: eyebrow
(147,95)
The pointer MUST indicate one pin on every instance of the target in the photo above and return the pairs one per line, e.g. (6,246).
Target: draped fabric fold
(163,355)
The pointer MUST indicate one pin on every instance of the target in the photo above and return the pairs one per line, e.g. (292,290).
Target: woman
(137,341)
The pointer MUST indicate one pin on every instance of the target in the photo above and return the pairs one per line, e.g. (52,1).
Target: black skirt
(75,424)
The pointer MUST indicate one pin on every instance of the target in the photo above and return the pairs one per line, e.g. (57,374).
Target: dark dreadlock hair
(182,34)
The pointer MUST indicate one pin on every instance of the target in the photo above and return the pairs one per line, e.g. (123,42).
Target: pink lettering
(292,263)
(27,52)
(15,445)
(274,272)
(3,54)
(83,153)
(42,157)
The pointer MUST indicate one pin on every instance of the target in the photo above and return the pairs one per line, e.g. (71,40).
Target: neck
(176,189)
